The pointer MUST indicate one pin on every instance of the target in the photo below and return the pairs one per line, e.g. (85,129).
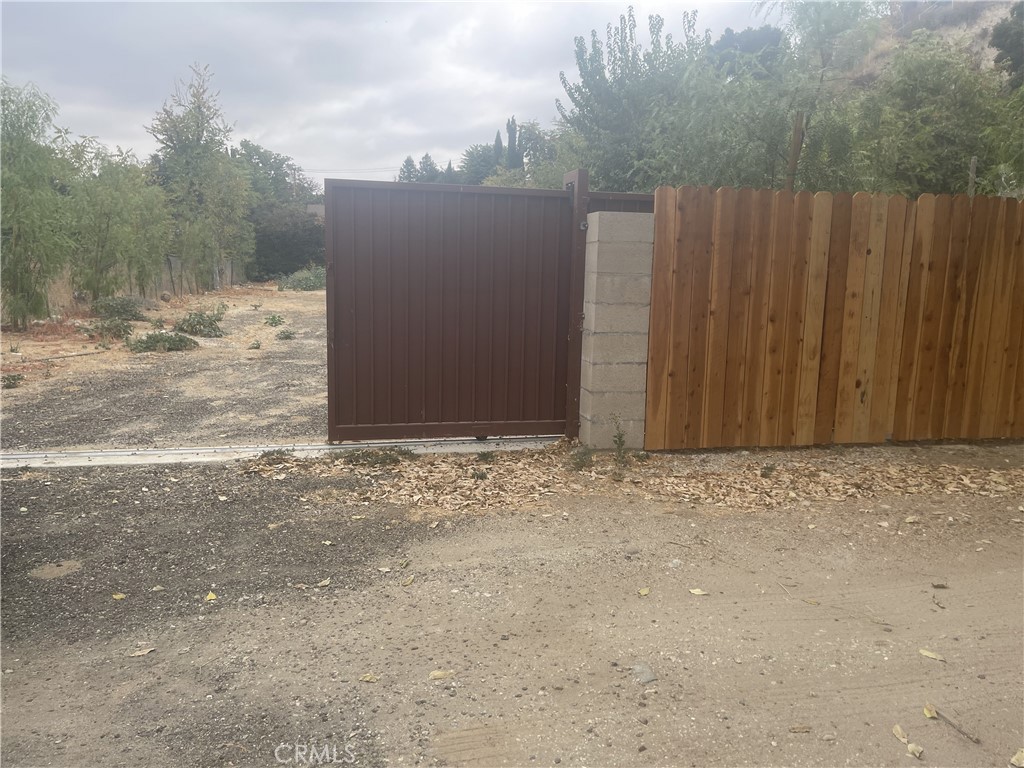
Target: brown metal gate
(448,310)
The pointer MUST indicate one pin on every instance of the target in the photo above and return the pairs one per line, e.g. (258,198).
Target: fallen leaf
(142,652)
(368,678)
(940,585)
(929,711)
(912,519)
(324,583)
(799,729)
(1017,761)
(441,674)
(358,517)
(915,750)
(699,592)
(222,498)
(210,597)
(157,588)
(385,569)
(645,591)
(433,524)
(930,654)
(120,596)
(300,585)
(327,542)
(899,733)
(408,581)
(404,564)
(812,526)
(883,524)
(810,602)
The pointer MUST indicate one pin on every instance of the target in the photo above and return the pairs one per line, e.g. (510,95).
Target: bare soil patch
(77,395)
(557,628)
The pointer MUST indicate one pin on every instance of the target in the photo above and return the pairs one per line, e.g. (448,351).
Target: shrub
(312,278)
(11,380)
(162,341)
(274,320)
(377,457)
(286,335)
(200,324)
(112,328)
(118,308)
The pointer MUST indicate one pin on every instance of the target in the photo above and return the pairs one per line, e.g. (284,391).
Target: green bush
(274,320)
(118,308)
(162,341)
(200,324)
(112,328)
(312,278)
(11,380)
(286,335)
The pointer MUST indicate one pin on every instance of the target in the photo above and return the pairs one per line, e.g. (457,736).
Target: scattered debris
(915,750)
(408,581)
(120,595)
(1017,761)
(950,722)
(900,734)
(324,583)
(931,654)
(210,597)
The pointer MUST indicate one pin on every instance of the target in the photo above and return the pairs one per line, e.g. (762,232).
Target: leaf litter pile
(460,482)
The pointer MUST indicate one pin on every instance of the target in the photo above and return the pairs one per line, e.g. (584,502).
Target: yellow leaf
(358,517)
(899,733)
(327,543)
(811,602)
(324,583)
(1017,761)
(157,588)
(433,524)
(142,652)
(119,596)
(368,678)
(644,591)
(210,597)
(404,564)
(930,654)
(441,674)
(698,592)
(408,581)
(929,711)
(915,750)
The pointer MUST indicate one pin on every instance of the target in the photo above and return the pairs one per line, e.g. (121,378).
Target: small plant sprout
(274,320)
(286,335)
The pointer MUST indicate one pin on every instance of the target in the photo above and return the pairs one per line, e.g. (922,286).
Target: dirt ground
(77,395)
(511,609)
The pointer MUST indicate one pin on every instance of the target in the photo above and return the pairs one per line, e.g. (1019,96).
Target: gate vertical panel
(448,310)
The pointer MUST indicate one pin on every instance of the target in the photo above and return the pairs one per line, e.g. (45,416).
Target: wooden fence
(796,319)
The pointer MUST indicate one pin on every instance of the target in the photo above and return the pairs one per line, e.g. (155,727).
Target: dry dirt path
(556,629)
(223,393)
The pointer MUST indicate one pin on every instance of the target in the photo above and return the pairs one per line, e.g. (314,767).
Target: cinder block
(619,289)
(626,377)
(600,434)
(613,226)
(614,347)
(616,318)
(609,405)
(620,258)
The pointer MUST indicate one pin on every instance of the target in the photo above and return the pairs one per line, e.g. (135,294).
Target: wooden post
(795,145)
(577,183)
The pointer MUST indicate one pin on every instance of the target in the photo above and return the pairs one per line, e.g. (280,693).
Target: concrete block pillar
(617,306)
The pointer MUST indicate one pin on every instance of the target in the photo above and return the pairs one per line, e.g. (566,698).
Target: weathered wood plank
(874,264)
(718,317)
(659,348)
(699,308)
(757,331)
(799,256)
(739,311)
(814,318)
(832,327)
(996,357)
(771,395)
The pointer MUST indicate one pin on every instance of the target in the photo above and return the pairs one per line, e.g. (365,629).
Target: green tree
(1008,40)
(930,111)
(408,172)
(210,195)
(477,163)
(35,229)
(122,225)
(427,171)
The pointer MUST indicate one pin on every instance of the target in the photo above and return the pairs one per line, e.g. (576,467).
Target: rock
(165,296)
(643,673)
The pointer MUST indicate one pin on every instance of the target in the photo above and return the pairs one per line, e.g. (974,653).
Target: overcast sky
(346,89)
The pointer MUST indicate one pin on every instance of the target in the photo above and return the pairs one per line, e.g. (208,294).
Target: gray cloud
(344,88)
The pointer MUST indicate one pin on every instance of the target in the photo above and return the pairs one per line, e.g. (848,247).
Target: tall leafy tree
(121,225)
(408,172)
(35,233)
(477,163)
(427,171)
(210,195)
(1008,40)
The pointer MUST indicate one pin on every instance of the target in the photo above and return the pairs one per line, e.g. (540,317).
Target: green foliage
(210,194)
(477,163)
(486,457)
(311,278)
(581,458)
(1008,40)
(162,341)
(274,320)
(619,443)
(408,172)
(254,345)
(118,308)
(11,380)
(35,236)
(112,328)
(378,457)
(285,335)
(202,324)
